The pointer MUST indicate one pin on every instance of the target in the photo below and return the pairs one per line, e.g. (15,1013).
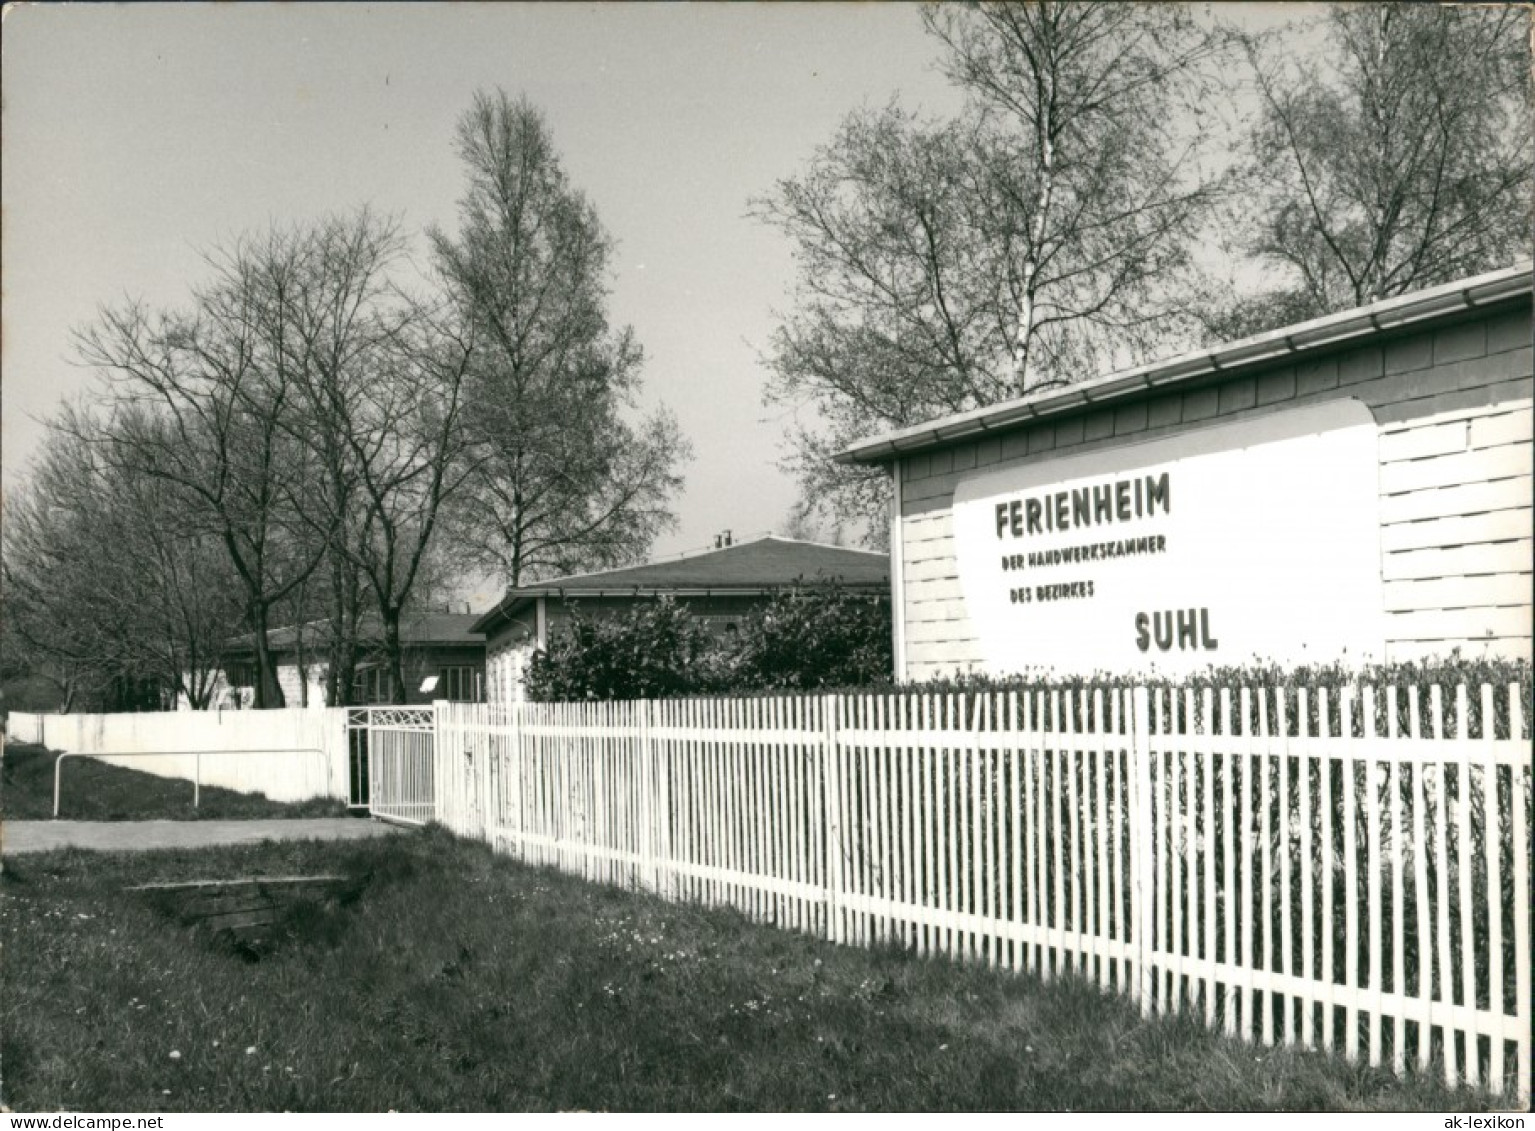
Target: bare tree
(563,481)
(340,323)
(1043,234)
(378,390)
(104,582)
(1400,156)
(411,453)
(203,401)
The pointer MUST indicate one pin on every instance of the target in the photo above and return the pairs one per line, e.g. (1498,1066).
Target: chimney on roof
(722,540)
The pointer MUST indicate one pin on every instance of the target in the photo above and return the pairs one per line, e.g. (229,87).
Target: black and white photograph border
(856,557)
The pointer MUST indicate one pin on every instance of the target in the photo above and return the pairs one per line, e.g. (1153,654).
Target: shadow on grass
(93,791)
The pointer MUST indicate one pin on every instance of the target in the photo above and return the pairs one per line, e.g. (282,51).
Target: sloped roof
(747,567)
(1219,363)
(416,630)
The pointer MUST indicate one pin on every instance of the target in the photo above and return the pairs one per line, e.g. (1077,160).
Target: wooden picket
(1309,867)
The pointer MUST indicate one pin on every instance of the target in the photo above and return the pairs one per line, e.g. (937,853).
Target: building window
(373,685)
(461,684)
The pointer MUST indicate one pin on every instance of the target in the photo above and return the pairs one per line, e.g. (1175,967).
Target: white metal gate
(392,751)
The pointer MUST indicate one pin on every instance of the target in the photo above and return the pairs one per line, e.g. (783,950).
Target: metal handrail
(197,780)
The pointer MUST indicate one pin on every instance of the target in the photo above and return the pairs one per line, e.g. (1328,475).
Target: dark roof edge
(518,597)
(513,598)
(1227,360)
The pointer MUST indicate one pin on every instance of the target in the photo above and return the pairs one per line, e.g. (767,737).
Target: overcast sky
(135,135)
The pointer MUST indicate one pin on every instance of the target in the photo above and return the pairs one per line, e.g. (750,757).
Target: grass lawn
(461,980)
(93,791)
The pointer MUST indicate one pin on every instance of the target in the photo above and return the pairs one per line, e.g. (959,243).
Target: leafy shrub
(1271,682)
(809,638)
(805,638)
(654,651)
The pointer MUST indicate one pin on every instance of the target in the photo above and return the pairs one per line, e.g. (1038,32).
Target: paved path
(17,837)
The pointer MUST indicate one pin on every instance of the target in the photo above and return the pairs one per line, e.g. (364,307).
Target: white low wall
(291,754)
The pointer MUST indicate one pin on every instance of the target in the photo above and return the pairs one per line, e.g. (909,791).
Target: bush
(805,638)
(654,651)
(809,638)
(1269,681)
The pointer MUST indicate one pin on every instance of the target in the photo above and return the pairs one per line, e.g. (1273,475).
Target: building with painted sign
(1356,487)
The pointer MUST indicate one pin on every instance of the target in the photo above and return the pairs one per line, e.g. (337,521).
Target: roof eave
(503,612)
(1273,345)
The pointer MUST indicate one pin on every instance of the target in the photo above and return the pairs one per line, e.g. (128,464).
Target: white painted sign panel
(1253,540)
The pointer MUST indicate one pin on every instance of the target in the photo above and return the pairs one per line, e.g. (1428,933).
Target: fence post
(647,800)
(439,783)
(666,854)
(490,771)
(1142,844)
(831,802)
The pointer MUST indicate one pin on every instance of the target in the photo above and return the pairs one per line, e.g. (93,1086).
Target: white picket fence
(1309,869)
(291,754)
(1312,868)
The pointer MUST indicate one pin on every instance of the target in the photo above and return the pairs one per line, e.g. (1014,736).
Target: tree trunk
(337,693)
(392,650)
(300,657)
(341,667)
(268,688)
(1026,314)
(351,622)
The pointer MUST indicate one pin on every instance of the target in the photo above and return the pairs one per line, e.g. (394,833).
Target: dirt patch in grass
(253,917)
(93,791)
(463,981)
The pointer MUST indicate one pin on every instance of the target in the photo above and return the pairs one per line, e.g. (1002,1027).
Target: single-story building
(1356,487)
(720,586)
(444,647)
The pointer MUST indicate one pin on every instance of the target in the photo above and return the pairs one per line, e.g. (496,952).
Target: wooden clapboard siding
(1455,502)
(1487,647)
(1446,433)
(935,624)
(922,570)
(1454,408)
(1463,559)
(1454,531)
(1456,625)
(948,656)
(1506,461)
(942,589)
(1453,593)
(930,535)
(944,607)
(1502,428)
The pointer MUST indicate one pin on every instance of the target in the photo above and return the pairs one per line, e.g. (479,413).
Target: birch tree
(1038,238)
(566,477)
(1400,156)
